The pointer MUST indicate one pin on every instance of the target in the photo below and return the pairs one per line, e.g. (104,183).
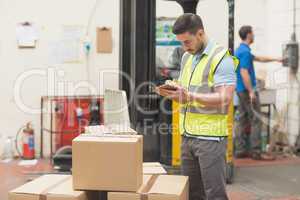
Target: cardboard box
(157,187)
(153,168)
(50,187)
(107,162)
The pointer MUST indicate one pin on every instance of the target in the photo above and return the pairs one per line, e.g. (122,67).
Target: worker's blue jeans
(204,163)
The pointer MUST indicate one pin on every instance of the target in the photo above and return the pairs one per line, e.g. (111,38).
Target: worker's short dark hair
(187,22)
(244,31)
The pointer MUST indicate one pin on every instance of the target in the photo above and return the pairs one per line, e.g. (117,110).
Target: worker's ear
(200,33)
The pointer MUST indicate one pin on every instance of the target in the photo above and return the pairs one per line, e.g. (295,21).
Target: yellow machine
(176,141)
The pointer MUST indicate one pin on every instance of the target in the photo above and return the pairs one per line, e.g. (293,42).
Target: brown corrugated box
(157,187)
(107,162)
(153,168)
(50,187)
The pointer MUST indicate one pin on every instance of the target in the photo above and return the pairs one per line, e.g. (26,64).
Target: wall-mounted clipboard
(27,35)
(104,40)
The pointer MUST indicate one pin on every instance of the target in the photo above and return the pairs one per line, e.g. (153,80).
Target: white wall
(50,16)
(168,9)
(279,28)
(214,14)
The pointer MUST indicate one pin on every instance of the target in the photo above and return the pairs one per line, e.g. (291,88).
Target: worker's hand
(280,60)
(252,96)
(180,95)
(165,72)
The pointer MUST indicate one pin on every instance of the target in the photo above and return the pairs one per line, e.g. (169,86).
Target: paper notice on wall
(27,35)
(55,53)
(71,43)
(68,48)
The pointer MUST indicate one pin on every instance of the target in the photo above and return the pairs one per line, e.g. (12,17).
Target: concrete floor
(273,180)
(276,180)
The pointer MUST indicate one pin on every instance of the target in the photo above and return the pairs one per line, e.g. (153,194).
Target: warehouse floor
(276,180)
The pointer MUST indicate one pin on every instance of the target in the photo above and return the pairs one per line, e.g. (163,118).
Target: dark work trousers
(204,162)
(249,113)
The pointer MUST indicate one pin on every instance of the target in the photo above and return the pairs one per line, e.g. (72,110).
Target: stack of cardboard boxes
(110,163)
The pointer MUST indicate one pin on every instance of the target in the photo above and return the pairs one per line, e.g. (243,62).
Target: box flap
(41,184)
(108,138)
(154,170)
(152,164)
(147,179)
(65,188)
(17,196)
(164,197)
(169,184)
(115,129)
(123,196)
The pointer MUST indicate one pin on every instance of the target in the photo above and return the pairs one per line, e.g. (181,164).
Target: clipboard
(104,40)
(26,35)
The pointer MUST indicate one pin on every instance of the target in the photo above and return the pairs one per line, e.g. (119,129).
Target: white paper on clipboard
(27,35)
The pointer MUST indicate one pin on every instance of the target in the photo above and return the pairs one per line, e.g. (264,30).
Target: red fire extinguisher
(27,141)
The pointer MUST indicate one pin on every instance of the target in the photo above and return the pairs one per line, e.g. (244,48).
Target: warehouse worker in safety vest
(205,90)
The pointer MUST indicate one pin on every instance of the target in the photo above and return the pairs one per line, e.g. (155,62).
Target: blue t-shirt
(243,53)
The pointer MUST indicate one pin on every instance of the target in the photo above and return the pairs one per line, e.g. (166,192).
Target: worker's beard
(199,49)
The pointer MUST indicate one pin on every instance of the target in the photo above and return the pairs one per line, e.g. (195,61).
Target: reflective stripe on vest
(194,118)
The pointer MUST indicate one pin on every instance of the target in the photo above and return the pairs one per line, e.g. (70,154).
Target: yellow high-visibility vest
(196,119)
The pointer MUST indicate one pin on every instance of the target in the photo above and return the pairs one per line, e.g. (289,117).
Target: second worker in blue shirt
(249,103)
